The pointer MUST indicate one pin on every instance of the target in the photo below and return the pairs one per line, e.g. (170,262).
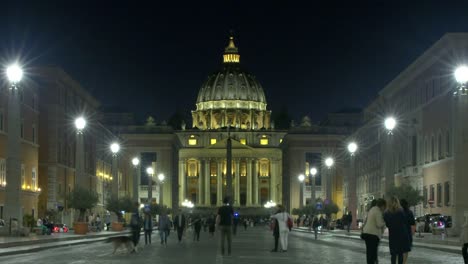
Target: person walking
(164,227)
(246,224)
(147,227)
(211,225)
(373,229)
(107,220)
(349,220)
(179,225)
(411,225)
(197,225)
(315,225)
(224,222)
(135,226)
(98,223)
(282,218)
(398,237)
(464,242)
(276,233)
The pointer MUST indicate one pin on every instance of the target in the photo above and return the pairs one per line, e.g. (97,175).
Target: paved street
(251,246)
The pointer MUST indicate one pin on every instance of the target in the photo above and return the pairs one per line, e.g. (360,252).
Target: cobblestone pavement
(251,246)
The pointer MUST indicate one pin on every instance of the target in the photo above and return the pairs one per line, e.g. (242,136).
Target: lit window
(213,141)
(281,140)
(192,141)
(243,141)
(33,179)
(264,140)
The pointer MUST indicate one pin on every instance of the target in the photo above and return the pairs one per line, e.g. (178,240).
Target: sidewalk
(18,245)
(429,241)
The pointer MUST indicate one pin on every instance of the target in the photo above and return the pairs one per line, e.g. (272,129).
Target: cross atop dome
(231,54)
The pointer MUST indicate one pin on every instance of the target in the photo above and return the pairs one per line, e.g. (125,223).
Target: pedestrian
(349,220)
(246,224)
(135,226)
(276,232)
(197,225)
(373,229)
(464,242)
(224,222)
(211,225)
(411,225)
(107,221)
(398,237)
(164,227)
(147,227)
(179,225)
(315,226)
(282,218)
(98,223)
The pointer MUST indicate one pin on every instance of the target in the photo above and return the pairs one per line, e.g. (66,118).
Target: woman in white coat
(282,218)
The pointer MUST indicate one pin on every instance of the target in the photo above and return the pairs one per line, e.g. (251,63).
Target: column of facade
(200,193)
(207,180)
(273,179)
(219,176)
(182,179)
(249,183)
(237,187)
(255,182)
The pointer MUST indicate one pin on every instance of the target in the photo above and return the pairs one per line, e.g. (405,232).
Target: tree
(157,209)
(119,205)
(407,192)
(330,208)
(82,199)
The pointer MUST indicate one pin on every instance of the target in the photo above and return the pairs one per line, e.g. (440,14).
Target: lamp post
(388,168)
(135,162)
(352,198)
(329,161)
(161,178)
(313,172)
(459,146)
(150,172)
(13,161)
(301,178)
(115,148)
(80,179)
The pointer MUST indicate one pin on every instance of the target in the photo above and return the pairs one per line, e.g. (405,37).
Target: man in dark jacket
(349,220)
(179,225)
(135,225)
(224,221)
(275,233)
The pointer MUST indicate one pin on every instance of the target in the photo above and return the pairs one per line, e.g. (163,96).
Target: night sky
(313,59)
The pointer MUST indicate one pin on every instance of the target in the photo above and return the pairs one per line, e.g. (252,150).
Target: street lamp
(80,178)
(135,162)
(301,179)
(161,178)
(13,208)
(461,76)
(313,172)
(352,148)
(329,163)
(150,172)
(115,148)
(351,180)
(390,123)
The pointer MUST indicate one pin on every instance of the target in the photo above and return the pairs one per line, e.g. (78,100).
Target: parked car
(429,222)
(60,228)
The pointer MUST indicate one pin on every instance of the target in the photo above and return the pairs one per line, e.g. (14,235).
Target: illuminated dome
(231,96)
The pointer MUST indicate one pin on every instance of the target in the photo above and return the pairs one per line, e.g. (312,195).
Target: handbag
(289,223)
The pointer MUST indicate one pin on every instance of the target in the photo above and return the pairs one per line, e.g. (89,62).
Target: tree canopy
(406,192)
(117,205)
(82,199)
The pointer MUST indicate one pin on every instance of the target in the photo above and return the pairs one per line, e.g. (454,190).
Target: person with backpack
(283,219)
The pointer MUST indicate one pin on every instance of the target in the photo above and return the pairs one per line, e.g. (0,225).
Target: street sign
(319,206)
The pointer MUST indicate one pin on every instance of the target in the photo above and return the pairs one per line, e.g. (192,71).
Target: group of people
(396,216)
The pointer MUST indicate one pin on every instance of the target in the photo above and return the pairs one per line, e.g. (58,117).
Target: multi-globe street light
(390,124)
(135,162)
(301,179)
(329,161)
(13,208)
(150,172)
(115,148)
(161,179)
(313,172)
(351,180)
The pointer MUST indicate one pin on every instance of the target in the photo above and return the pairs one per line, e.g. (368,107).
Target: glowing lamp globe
(461,74)
(313,171)
(352,147)
(329,162)
(390,123)
(150,170)
(135,161)
(301,177)
(14,73)
(115,147)
(80,123)
(161,177)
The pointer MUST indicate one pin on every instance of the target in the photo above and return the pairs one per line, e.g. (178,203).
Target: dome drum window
(192,141)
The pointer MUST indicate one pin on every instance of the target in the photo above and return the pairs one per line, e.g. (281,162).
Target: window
(431,193)
(264,140)
(441,154)
(432,148)
(23,177)
(447,193)
(439,195)
(425,196)
(33,179)
(213,141)
(2,172)
(192,141)
(243,141)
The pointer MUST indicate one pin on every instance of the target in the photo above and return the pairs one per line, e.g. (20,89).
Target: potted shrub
(117,206)
(82,199)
